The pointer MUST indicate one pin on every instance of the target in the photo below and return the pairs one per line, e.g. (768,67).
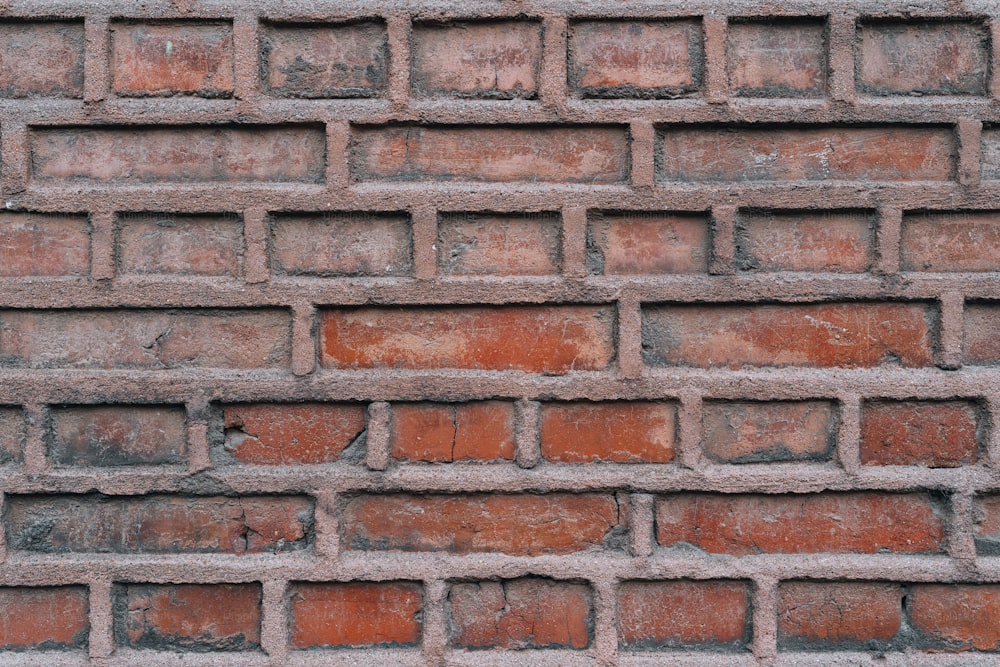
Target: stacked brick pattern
(552,334)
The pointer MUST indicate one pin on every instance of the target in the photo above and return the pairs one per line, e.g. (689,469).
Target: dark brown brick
(752,431)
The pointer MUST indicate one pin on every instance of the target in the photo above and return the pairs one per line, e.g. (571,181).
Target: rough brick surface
(42,59)
(939,435)
(805,241)
(43,245)
(946,242)
(268,434)
(647,243)
(117,435)
(441,433)
(355,614)
(703,614)
(180,245)
(777,59)
(341,245)
(499,245)
(43,618)
(748,432)
(838,615)
(620,432)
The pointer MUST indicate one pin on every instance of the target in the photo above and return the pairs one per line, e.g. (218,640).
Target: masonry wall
(541,332)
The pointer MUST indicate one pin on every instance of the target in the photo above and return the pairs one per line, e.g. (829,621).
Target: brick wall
(541,332)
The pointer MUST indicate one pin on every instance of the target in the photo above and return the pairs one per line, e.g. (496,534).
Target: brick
(314,60)
(952,617)
(35,244)
(355,614)
(186,154)
(638,242)
(838,615)
(188,617)
(496,60)
(838,242)
(946,242)
(537,339)
(527,613)
(683,614)
(754,431)
(892,153)
(990,154)
(936,434)
(174,58)
(169,244)
(987,524)
(596,154)
(922,58)
(779,58)
(276,434)
(856,522)
(117,435)
(643,59)
(982,344)
(618,431)
(341,244)
(44,618)
(517,525)
(41,59)
(852,335)
(145,339)
(496,244)
(443,433)
(158,524)
(12,434)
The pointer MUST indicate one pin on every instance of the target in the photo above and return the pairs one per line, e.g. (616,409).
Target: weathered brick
(838,615)
(618,431)
(44,618)
(444,433)
(596,154)
(538,339)
(829,153)
(518,525)
(188,617)
(115,435)
(854,335)
(41,59)
(187,154)
(158,524)
(960,241)
(645,59)
(752,431)
(34,244)
(171,58)
(987,524)
(982,344)
(840,242)
(150,244)
(147,339)
(640,242)
(777,58)
(276,434)
(499,244)
(937,434)
(520,614)
(856,522)
(12,433)
(922,58)
(324,59)
(990,153)
(355,614)
(494,60)
(683,614)
(341,244)
(956,617)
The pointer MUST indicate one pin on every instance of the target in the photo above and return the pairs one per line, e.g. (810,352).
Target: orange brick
(805,241)
(937,434)
(957,617)
(702,614)
(832,615)
(442,433)
(647,243)
(355,614)
(610,431)
(276,434)
(44,618)
(162,59)
(945,242)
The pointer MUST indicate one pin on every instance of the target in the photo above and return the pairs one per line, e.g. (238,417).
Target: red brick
(746,154)
(683,614)
(34,244)
(957,617)
(751,431)
(922,58)
(158,524)
(180,57)
(945,242)
(41,59)
(832,615)
(987,525)
(853,335)
(192,617)
(520,614)
(858,522)
(115,435)
(839,242)
(180,245)
(307,433)
(145,339)
(982,342)
(654,243)
(12,433)
(142,155)
(611,431)
(324,59)
(777,58)
(495,60)
(538,339)
(518,525)
(44,618)
(990,154)
(635,58)
(355,614)
(495,244)
(341,244)
(936,434)
(596,154)
(442,433)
